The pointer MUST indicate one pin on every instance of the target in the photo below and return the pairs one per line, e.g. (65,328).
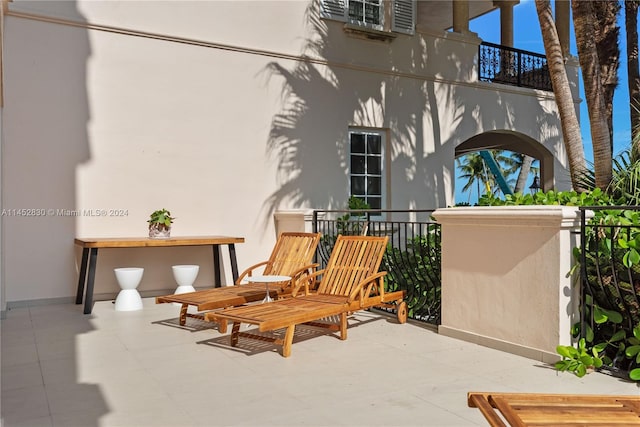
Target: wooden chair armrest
(301,272)
(298,278)
(307,269)
(249,271)
(306,282)
(371,286)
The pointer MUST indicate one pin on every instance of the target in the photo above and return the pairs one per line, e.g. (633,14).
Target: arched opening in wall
(508,151)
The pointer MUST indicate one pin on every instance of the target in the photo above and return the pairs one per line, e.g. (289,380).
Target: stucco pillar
(563,14)
(3,300)
(506,21)
(504,281)
(3,293)
(294,221)
(460,16)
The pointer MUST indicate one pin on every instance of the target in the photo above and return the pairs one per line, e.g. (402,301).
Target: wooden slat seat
(536,409)
(350,282)
(292,256)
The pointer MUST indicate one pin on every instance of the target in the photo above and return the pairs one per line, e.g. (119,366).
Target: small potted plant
(160,224)
(354,222)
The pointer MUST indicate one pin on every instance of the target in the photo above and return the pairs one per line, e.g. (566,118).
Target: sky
(527,36)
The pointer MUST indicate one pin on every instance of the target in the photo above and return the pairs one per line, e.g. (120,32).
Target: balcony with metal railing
(515,67)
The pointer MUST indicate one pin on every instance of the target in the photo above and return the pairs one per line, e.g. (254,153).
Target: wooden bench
(536,409)
(350,282)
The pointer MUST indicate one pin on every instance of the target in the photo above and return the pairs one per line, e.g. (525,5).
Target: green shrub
(416,270)
(565,198)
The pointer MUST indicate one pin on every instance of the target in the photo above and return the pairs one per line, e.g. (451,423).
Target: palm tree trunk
(523,174)
(607,36)
(583,23)
(633,73)
(562,92)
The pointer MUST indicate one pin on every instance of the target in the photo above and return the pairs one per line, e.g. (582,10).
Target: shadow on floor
(191,325)
(303,332)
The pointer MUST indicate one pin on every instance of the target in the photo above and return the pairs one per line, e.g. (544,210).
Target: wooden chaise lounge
(292,256)
(534,409)
(350,282)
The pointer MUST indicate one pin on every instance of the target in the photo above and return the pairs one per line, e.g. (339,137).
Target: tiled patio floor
(63,368)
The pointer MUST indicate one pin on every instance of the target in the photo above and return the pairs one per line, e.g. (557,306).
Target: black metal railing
(412,259)
(610,282)
(516,67)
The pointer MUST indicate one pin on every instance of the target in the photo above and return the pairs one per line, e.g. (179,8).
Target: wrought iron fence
(610,283)
(412,259)
(516,67)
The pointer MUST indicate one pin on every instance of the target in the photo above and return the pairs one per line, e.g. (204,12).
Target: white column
(506,21)
(461,16)
(563,13)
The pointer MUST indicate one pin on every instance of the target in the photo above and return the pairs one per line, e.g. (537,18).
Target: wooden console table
(90,248)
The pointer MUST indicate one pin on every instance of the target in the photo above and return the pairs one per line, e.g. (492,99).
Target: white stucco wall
(223,113)
(505,280)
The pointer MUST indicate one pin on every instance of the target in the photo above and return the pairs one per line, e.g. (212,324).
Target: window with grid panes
(366,11)
(366,169)
(399,15)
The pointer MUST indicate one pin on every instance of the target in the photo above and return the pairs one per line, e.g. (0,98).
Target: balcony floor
(63,368)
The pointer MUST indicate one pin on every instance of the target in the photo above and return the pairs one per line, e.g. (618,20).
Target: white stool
(185,275)
(128,298)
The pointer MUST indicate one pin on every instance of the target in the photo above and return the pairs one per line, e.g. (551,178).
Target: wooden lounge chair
(350,282)
(292,256)
(529,409)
